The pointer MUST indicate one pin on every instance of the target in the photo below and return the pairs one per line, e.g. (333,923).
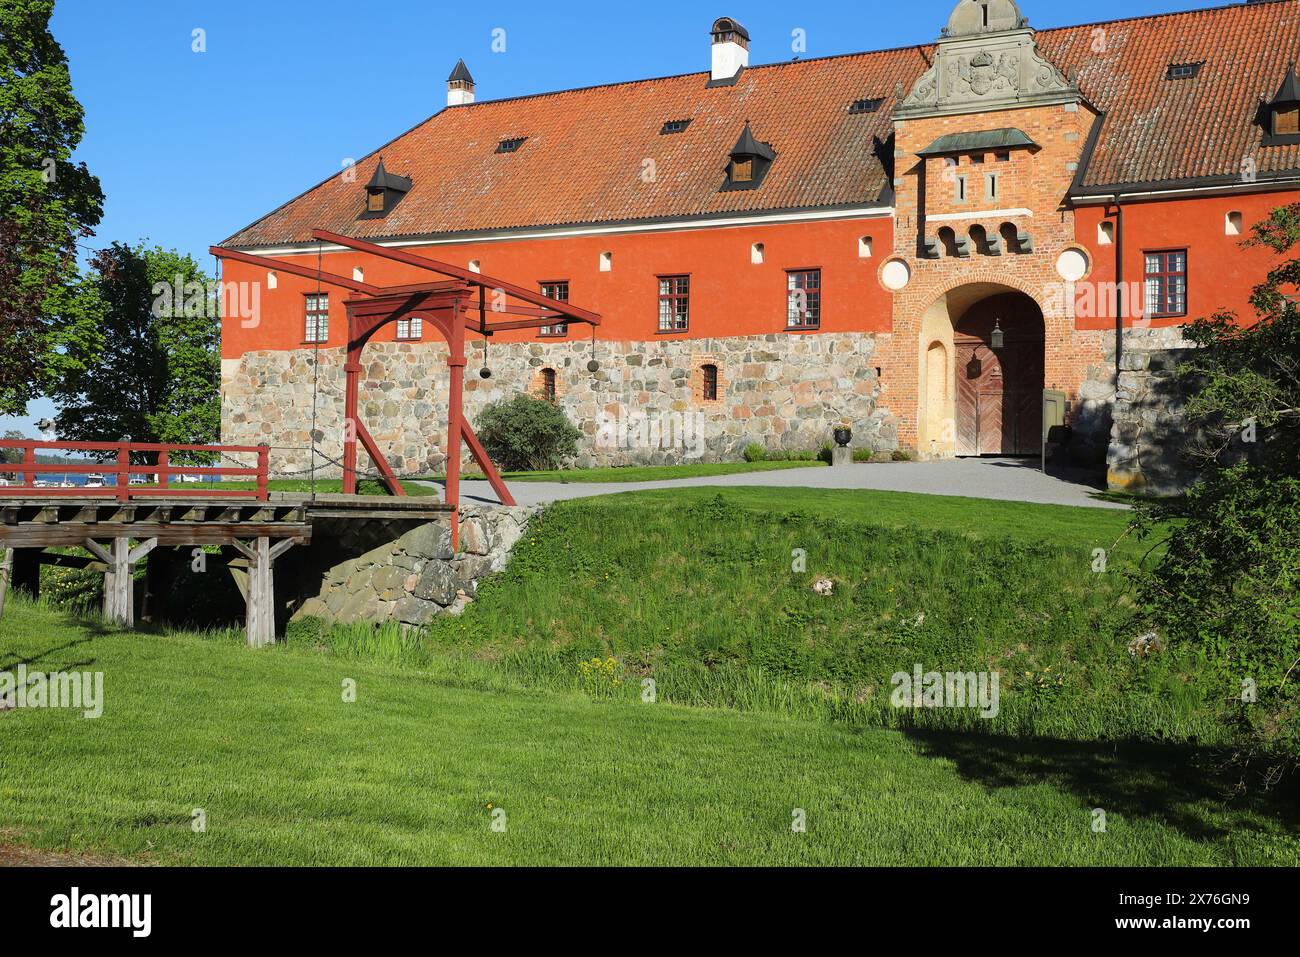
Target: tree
(139,351)
(1228,581)
(47,202)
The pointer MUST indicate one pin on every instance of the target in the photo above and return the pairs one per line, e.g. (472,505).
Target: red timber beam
(279,265)
(574,313)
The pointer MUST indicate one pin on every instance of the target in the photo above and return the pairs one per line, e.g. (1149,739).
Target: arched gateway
(981,373)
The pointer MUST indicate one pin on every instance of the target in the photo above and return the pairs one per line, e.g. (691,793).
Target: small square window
(1286,120)
(408,329)
(742,171)
(374,201)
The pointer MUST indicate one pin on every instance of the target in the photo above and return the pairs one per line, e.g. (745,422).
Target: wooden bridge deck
(260,531)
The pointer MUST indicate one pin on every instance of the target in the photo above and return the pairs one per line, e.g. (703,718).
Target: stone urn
(842,434)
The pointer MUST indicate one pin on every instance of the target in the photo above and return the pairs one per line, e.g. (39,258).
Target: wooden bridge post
(119,577)
(260,597)
(6,570)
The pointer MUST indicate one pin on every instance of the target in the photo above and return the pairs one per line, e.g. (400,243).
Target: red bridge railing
(121,469)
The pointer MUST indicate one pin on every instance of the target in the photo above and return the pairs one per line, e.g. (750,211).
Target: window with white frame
(318,317)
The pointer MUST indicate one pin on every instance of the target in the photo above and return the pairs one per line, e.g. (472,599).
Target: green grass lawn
(644,473)
(702,590)
(288,773)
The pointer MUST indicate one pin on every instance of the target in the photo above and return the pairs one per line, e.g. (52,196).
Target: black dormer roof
(1287,97)
(386,180)
(461,72)
(1289,91)
(749,148)
(392,186)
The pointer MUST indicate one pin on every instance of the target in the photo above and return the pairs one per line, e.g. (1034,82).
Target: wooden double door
(999,407)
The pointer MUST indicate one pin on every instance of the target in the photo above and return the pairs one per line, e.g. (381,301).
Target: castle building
(918,241)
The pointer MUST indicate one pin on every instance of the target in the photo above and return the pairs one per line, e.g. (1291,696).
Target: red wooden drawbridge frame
(454,307)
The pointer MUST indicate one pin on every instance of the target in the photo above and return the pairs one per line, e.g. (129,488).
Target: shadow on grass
(1184,786)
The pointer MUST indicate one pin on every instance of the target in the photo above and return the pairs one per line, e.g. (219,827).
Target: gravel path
(1005,479)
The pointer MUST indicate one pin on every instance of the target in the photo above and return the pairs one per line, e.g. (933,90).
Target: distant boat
(94,480)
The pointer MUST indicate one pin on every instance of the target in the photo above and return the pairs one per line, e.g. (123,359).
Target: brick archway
(929,352)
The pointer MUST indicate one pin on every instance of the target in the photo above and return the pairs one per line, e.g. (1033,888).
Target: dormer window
(511,145)
(1282,114)
(750,161)
(384,191)
(865,106)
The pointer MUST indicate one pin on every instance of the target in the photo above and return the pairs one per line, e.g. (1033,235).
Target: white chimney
(730,49)
(460,86)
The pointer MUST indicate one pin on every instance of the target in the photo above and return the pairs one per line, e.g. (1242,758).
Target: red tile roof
(585,152)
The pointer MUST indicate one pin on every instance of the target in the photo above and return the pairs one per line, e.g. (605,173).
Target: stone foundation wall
(413,575)
(1149,433)
(645,404)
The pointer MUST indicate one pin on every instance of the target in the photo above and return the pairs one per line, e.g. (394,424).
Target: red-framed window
(559,291)
(674,303)
(317,310)
(410,329)
(803,298)
(1166,283)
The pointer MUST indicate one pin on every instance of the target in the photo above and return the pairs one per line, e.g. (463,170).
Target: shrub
(756,452)
(901,455)
(862,455)
(601,678)
(527,434)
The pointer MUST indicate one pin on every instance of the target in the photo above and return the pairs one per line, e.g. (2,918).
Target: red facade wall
(730,296)
(1220,272)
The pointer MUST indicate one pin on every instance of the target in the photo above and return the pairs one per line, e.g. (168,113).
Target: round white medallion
(895,274)
(1072,265)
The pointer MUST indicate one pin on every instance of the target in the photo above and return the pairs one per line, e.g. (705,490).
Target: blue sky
(189,146)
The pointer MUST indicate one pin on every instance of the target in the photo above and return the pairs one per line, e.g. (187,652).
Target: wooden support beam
(6,570)
(259,593)
(119,576)
(279,265)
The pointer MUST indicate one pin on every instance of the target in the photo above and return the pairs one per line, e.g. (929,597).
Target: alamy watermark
(633,429)
(947,689)
(80,690)
(241,300)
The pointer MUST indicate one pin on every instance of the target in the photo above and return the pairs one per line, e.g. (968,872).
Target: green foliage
(1228,583)
(47,202)
(525,433)
(758,452)
(133,359)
